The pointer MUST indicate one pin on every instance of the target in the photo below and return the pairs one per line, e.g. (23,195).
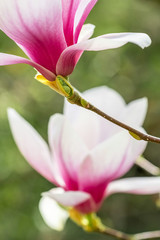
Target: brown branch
(114,233)
(135,133)
(124,236)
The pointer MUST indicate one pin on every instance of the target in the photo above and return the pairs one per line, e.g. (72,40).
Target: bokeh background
(133,72)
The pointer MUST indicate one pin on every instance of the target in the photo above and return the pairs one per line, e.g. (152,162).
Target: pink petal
(31,145)
(67,147)
(110,159)
(134,150)
(104,160)
(8,59)
(37,27)
(54,215)
(83,10)
(69,198)
(69,8)
(137,185)
(71,55)
(86,32)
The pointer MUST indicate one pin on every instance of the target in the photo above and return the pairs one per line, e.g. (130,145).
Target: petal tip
(146,41)
(11,114)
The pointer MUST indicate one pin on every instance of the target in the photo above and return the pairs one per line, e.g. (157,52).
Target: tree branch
(124,236)
(148,166)
(75,98)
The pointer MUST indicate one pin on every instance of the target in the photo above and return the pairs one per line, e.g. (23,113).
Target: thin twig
(124,236)
(148,166)
(63,87)
(147,235)
(115,233)
(142,136)
(75,98)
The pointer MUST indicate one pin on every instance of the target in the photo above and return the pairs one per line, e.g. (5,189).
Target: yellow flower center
(61,85)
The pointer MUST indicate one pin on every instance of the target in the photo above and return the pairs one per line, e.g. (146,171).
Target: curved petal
(110,159)
(68,198)
(104,160)
(86,32)
(134,150)
(83,10)
(53,215)
(68,149)
(137,185)
(31,145)
(135,112)
(8,59)
(37,27)
(69,9)
(71,55)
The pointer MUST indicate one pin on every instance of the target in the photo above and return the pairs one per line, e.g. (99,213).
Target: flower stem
(92,223)
(115,233)
(147,235)
(124,236)
(148,166)
(62,86)
(78,100)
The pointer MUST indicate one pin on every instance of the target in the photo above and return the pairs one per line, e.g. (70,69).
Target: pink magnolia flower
(85,154)
(52,35)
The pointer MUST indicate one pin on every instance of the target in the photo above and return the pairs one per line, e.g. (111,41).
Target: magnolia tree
(87,154)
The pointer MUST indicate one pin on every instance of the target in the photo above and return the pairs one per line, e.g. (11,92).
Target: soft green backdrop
(133,72)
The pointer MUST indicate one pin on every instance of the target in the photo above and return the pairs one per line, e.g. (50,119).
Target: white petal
(98,129)
(54,215)
(104,162)
(67,146)
(31,145)
(110,159)
(68,198)
(135,112)
(137,185)
(115,40)
(71,55)
(86,32)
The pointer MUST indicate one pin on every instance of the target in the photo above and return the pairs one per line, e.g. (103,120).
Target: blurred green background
(133,72)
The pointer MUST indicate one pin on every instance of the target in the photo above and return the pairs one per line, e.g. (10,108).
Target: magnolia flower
(85,154)
(52,34)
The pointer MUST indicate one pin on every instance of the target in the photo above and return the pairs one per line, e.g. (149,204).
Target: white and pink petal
(104,161)
(8,59)
(37,27)
(31,145)
(110,159)
(105,99)
(67,198)
(71,55)
(137,185)
(82,13)
(69,9)
(68,148)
